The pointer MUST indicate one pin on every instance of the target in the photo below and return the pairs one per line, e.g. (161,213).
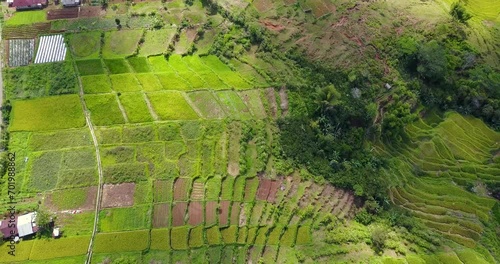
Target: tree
(379,235)
(459,12)
(43,221)
(432,61)
(327,97)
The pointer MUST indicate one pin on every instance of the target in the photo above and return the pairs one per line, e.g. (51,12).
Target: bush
(379,235)
(459,12)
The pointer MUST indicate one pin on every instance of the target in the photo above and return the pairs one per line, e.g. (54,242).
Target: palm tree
(326,98)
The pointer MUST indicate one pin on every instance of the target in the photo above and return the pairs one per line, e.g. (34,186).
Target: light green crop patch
(48,113)
(85,44)
(121,241)
(120,43)
(171,105)
(62,247)
(104,109)
(156,42)
(207,104)
(125,82)
(96,84)
(149,82)
(135,107)
(124,219)
(179,237)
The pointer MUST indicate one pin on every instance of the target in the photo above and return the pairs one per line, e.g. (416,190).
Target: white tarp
(25,224)
(51,49)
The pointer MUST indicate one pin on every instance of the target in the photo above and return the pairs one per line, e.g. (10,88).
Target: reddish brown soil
(178,213)
(210,213)
(273,26)
(118,195)
(161,215)
(195,213)
(181,189)
(198,191)
(264,188)
(90,11)
(235,213)
(62,13)
(284,101)
(275,186)
(223,212)
(191,34)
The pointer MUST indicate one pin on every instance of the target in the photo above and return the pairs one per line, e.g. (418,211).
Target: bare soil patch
(210,213)
(91,11)
(264,188)
(224,212)
(263,5)
(178,213)
(118,195)
(62,13)
(271,98)
(195,213)
(197,191)
(284,101)
(161,215)
(181,189)
(235,213)
(273,26)
(275,186)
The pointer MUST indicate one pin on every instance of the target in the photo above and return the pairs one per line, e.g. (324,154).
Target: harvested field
(235,213)
(195,213)
(179,213)
(224,213)
(210,213)
(90,11)
(118,195)
(181,189)
(275,186)
(62,13)
(198,191)
(161,215)
(264,188)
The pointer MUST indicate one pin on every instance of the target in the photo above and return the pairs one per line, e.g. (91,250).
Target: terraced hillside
(441,176)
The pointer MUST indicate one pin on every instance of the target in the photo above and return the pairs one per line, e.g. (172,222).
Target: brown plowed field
(264,187)
(235,213)
(195,213)
(275,186)
(90,11)
(161,215)
(181,189)
(210,213)
(197,191)
(224,212)
(118,195)
(62,13)
(178,213)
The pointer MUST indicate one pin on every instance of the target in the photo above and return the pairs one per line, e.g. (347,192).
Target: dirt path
(98,201)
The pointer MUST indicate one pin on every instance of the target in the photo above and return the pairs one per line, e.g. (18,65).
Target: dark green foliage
(379,235)
(432,61)
(40,80)
(125,173)
(90,67)
(459,12)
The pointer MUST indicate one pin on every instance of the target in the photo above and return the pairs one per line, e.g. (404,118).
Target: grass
(139,64)
(135,107)
(138,134)
(171,81)
(233,105)
(156,41)
(207,104)
(124,219)
(85,44)
(90,67)
(171,105)
(121,241)
(117,66)
(125,83)
(104,109)
(58,139)
(78,159)
(96,84)
(27,17)
(169,131)
(120,43)
(57,248)
(77,178)
(48,113)
(117,154)
(109,135)
(149,82)
(159,64)
(179,238)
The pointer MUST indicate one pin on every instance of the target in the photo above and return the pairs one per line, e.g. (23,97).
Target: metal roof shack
(26,225)
(70,3)
(29,4)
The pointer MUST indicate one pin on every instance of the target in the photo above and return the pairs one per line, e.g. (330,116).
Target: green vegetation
(135,108)
(90,67)
(120,43)
(171,105)
(104,109)
(96,84)
(85,45)
(29,17)
(117,66)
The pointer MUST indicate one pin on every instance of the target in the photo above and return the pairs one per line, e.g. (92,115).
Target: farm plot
(195,212)
(118,195)
(117,66)
(51,49)
(62,13)
(149,82)
(172,81)
(90,67)
(161,215)
(207,104)
(104,109)
(121,241)
(254,103)
(318,7)
(48,113)
(96,84)
(179,213)
(156,42)
(171,105)
(186,39)
(124,219)
(85,44)
(21,51)
(120,43)
(125,82)
(139,64)
(233,105)
(135,107)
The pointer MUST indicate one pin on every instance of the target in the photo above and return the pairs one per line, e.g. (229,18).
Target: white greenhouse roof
(51,49)
(25,224)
